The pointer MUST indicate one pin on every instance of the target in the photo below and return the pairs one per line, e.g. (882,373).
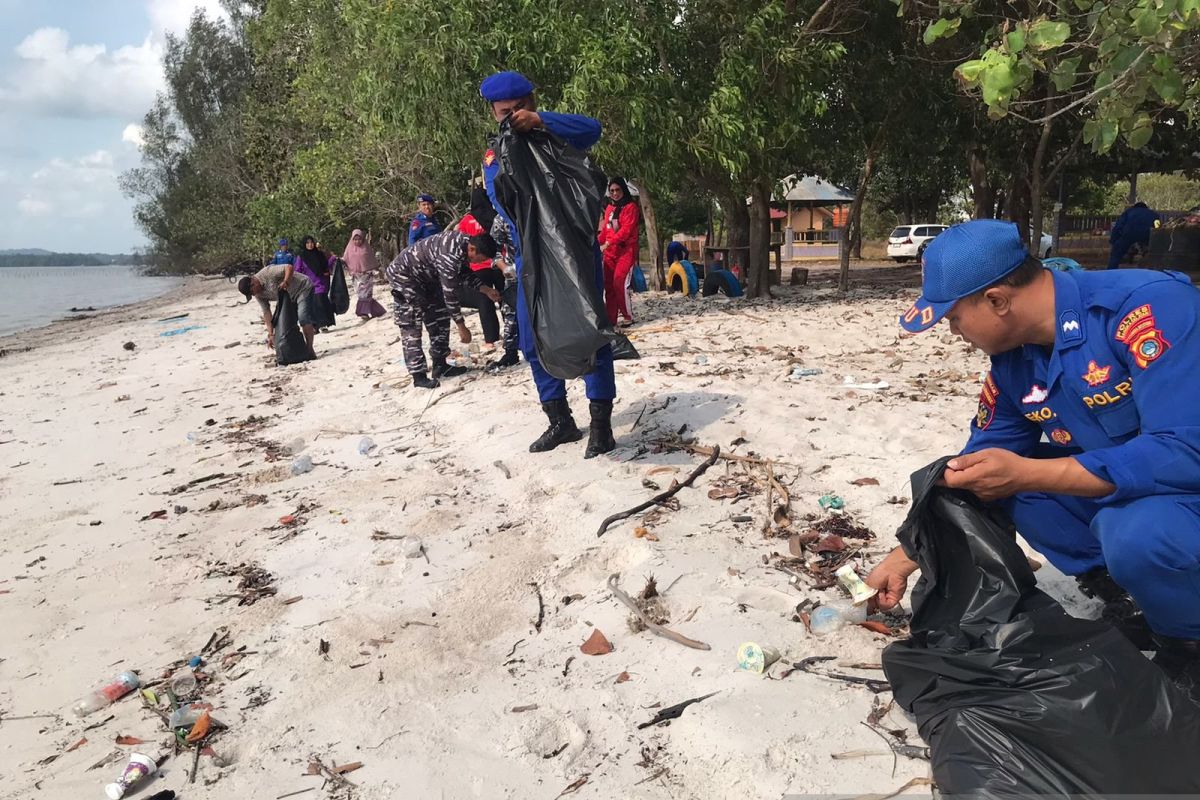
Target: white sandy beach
(428,658)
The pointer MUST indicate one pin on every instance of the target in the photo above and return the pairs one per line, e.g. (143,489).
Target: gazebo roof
(811,189)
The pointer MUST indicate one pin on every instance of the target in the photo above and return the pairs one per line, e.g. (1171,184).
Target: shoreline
(35,337)
(459,671)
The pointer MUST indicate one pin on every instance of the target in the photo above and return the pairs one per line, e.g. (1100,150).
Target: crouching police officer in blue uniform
(511,95)
(1106,367)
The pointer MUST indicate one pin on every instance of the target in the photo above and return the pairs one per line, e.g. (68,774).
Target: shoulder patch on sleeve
(1139,331)
(987,403)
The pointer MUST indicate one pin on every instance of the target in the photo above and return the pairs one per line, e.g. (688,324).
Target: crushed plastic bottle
(702,360)
(832,617)
(413,547)
(302,465)
(192,437)
(806,372)
(365,445)
(105,696)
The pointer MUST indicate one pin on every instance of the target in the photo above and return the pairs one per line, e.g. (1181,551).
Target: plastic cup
(135,771)
(755,658)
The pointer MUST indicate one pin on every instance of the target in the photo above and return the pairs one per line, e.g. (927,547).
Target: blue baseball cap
(961,261)
(505,86)
(424,198)
(283,242)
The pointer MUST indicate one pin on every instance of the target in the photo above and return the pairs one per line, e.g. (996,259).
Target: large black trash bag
(554,196)
(339,293)
(290,347)
(623,349)
(1013,695)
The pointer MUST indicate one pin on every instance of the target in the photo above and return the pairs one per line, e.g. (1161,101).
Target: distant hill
(36,257)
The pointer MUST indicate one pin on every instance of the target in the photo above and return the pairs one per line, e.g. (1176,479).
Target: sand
(431,659)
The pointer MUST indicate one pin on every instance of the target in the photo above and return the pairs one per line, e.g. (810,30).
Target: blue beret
(505,86)
(424,198)
(960,262)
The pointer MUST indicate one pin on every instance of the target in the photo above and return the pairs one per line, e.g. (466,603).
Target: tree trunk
(981,188)
(737,227)
(658,278)
(758,262)
(858,232)
(855,216)
(1133,176)
(1035,180)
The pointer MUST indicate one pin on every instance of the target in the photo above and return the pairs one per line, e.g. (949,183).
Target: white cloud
(54,78)
(32,207)
(173,16)
(134,135)
(80,188)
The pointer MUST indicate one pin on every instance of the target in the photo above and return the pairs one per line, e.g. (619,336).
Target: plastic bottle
(105,696)
(805,372)
(302,465)
(413,547)
(192,438)
(365,445)
(832,617)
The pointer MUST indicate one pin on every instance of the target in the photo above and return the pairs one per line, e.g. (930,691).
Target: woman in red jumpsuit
(618,238)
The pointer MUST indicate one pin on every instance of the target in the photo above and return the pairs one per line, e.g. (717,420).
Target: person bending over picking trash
(1106,367)
(425,280)
(265,285)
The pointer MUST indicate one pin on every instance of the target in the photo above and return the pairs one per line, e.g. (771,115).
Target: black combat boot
(443,370)
(600,435)
(1180,660)
(510,358)
(422,382)
(1120,609)
(562,427)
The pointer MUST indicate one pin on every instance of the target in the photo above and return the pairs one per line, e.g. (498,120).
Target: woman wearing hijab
(313,263)
(618,238)
(361,264)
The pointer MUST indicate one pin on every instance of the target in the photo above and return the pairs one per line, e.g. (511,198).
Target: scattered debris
(130,346)
(596,644)
(652,626)
(77,745)
(255,583)
(523,709)
(623,677)
(674,712)
(541,617)
(574,787)
(500,466)
(161,514)
(808,664)
(643,533)
(658,499)
(864,482)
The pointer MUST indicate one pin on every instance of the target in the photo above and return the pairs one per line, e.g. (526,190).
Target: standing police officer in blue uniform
(424,224)
(511,96)
(1106,367)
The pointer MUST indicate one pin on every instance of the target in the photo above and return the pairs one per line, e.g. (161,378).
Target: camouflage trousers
(416,305)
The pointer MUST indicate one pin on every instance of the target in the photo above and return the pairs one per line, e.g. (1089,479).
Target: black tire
(921,250)
(899,259)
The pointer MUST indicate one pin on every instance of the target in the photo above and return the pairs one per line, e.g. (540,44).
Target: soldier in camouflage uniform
(508,308)
(425,279)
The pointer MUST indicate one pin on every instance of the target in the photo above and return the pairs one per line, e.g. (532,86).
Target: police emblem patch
(1061,435)
(489,157)
(1069,324)
(1139,332)
(1037,394)
(987,403)
(1096,374)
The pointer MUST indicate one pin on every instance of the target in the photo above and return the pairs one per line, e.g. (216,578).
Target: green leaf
(1107,135)
(1048,34)
(1064,73)
(1169,86)
(942,28)
(1140,133)
(1016,41)
(1147,24)
(969,71)
(997,82)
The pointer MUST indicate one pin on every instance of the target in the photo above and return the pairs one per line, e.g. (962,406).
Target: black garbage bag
(1013,695)
(554,196)
(623,349)
(290,347)
(339,293)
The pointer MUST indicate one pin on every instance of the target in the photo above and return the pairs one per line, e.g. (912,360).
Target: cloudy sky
(76,78)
